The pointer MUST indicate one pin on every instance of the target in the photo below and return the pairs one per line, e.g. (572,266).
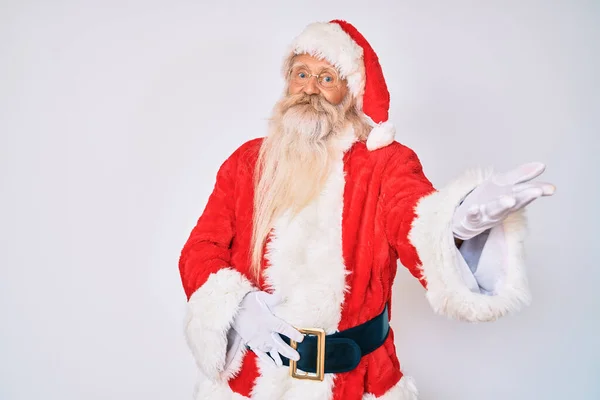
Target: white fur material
(215,390)
(328,41)
(211,310)
(344,140)
(307,268)
(405,389)
(447,292)
(381,135)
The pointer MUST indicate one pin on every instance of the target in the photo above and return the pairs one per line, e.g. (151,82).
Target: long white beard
(295,160)
(307,119)
(297,153)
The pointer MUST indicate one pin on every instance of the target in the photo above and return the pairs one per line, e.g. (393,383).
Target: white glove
(260,329)
(494,199)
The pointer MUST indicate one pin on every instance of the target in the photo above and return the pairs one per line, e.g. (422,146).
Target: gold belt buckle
(320,370)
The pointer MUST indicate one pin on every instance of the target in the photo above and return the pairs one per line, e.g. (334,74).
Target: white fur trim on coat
(215,390)
(310,276)
(211,310)
(405,389)
(381,135)
(447,291)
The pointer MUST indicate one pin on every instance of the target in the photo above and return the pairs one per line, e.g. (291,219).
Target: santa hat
(342,45)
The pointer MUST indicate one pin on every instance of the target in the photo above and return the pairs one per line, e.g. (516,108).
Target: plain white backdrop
(115,115)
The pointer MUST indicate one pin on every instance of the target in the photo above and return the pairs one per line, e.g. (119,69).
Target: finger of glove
(286,329)
(474,214)
(548,189)
(260,345)
(469,225)
(285,349)
(264,357)
(527,196)
(522,173)
(498,209)
(275,356)
(473,227)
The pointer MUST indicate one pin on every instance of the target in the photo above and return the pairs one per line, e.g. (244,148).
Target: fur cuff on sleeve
(405,389)
(447,291)
(211,310)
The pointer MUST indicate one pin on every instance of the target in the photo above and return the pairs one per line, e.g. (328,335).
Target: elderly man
(290,267)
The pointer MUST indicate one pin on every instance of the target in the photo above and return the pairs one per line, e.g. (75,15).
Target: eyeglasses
(327,79)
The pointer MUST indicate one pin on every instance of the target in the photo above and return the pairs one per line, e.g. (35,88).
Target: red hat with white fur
(342,45)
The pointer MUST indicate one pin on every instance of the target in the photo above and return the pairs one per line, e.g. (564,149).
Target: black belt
(342,350)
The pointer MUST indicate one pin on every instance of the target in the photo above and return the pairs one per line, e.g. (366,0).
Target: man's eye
(302,75)
(328,79)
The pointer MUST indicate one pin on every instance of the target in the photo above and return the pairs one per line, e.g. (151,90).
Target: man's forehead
(312,61)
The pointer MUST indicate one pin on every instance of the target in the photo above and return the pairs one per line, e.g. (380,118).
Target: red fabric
(244,383)
(208,247)
(376,98)
(381,191)
(217,240)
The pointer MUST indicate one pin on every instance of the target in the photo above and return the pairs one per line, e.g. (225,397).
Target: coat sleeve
(418,220)
(213,287)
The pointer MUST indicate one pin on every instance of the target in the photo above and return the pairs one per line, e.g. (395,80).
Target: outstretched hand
(497,197)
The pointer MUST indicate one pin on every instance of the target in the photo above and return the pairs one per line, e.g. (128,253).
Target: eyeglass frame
(310,75)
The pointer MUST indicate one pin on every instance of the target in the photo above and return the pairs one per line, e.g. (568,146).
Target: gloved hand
(495,198)
(260,329)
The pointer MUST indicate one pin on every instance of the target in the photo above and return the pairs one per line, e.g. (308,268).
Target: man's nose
(311,86)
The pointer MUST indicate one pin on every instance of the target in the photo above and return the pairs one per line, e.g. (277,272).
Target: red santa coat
(335,264)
